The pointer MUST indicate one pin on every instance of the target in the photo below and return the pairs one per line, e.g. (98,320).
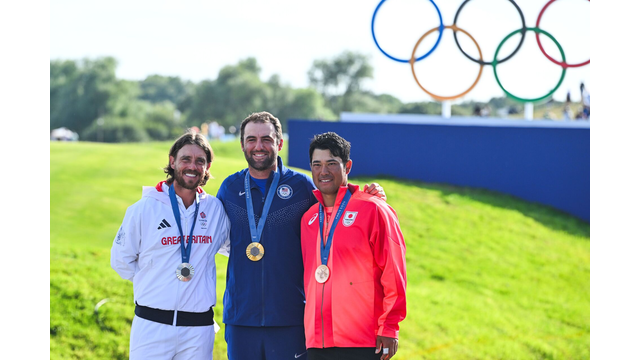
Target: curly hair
(190,138)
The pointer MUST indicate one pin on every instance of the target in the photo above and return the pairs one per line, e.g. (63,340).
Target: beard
(178,177)
(261,165)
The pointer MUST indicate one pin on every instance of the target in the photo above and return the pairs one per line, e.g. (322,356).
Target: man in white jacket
(166,246)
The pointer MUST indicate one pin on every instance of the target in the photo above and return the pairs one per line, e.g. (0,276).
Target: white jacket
(146,250)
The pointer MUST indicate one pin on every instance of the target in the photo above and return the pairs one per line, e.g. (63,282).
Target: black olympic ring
(494,63)
(455,35)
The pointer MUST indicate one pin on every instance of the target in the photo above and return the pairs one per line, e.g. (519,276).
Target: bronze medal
(255,251)
(322,274)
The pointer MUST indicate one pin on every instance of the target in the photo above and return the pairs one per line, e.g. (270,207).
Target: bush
(157,131)
(116,130)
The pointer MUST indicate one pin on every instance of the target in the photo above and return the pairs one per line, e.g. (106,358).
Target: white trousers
(152,340)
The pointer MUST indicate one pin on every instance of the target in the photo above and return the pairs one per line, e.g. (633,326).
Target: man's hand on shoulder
(376,190)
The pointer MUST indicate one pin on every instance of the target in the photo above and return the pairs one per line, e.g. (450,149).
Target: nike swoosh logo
(241,193)
(298,355)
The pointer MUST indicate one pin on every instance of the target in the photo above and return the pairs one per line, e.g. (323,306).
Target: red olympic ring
(561,63)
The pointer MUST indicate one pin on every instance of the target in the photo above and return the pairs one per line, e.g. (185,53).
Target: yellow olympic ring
(413,60)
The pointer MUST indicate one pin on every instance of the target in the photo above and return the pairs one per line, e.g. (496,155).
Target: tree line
(87,98)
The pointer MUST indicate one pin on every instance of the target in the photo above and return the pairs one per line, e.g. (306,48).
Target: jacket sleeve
(224,229)
(225,224)
(126,245)
(389,252)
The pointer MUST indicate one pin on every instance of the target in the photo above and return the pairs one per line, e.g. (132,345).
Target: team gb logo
(203,220)
(349,218)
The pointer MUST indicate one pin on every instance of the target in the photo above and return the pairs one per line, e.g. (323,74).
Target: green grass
(489,276)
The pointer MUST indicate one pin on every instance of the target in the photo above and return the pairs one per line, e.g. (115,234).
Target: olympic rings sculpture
(494,63)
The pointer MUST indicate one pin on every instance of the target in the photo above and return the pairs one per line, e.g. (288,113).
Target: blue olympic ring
(440,28)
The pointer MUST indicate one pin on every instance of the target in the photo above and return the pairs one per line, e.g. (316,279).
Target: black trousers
(345,353)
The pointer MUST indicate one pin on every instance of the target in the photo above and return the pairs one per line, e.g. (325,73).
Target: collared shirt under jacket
(268,292)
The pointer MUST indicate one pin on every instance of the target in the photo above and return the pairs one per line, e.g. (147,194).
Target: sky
(194,39)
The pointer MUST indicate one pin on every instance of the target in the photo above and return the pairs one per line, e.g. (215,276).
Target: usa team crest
(349,218)
(285,191)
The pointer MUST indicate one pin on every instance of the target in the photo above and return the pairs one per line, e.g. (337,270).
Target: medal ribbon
(256,233)
(325,249)
(186,251)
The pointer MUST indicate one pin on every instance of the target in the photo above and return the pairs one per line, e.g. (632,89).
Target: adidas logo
(164,224)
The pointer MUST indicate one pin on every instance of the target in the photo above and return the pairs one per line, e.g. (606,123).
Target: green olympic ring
(494,63)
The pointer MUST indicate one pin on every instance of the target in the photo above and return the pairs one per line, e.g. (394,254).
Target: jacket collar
(159,187)
(353,188)
(281,168)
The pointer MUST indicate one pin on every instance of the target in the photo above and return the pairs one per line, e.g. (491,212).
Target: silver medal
(185,272)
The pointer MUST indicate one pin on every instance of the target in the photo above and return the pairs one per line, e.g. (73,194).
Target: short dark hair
(333,142)
(261,117)
(190,138)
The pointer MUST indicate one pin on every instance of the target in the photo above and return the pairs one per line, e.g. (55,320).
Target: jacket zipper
(184,218)
(262,265)
(321,315)
(322,300)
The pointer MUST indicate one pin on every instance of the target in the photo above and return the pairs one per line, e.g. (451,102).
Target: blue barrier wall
(545,164)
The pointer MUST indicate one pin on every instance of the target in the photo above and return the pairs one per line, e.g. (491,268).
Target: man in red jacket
(354,263)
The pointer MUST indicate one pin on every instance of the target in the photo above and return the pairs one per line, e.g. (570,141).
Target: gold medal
(185,272)
(255,251)
(322,274)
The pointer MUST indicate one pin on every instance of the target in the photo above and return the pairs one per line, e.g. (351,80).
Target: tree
(113,129)
(305,104)
(287,103)
(157,88)
(368,102)
(237,92)
(340,78)
(83,91)
(422,107)
(79,92)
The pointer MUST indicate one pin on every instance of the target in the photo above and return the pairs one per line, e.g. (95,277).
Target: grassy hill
(489,276)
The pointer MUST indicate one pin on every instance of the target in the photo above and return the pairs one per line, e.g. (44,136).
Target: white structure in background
(63,134)
(216,131)
(528,111)
(446,109)
(456,120)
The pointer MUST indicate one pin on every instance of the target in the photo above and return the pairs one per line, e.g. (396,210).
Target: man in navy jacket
(264,296)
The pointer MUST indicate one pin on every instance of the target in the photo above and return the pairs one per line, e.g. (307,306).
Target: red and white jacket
(365,295)
(146,250)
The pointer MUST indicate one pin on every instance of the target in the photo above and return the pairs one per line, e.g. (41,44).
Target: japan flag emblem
(349,218)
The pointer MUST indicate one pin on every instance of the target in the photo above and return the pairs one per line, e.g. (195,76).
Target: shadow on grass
(546,215)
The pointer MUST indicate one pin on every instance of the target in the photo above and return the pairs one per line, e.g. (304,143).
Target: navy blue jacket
(268,292)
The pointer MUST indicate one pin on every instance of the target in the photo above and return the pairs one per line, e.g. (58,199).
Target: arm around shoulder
(224,230)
